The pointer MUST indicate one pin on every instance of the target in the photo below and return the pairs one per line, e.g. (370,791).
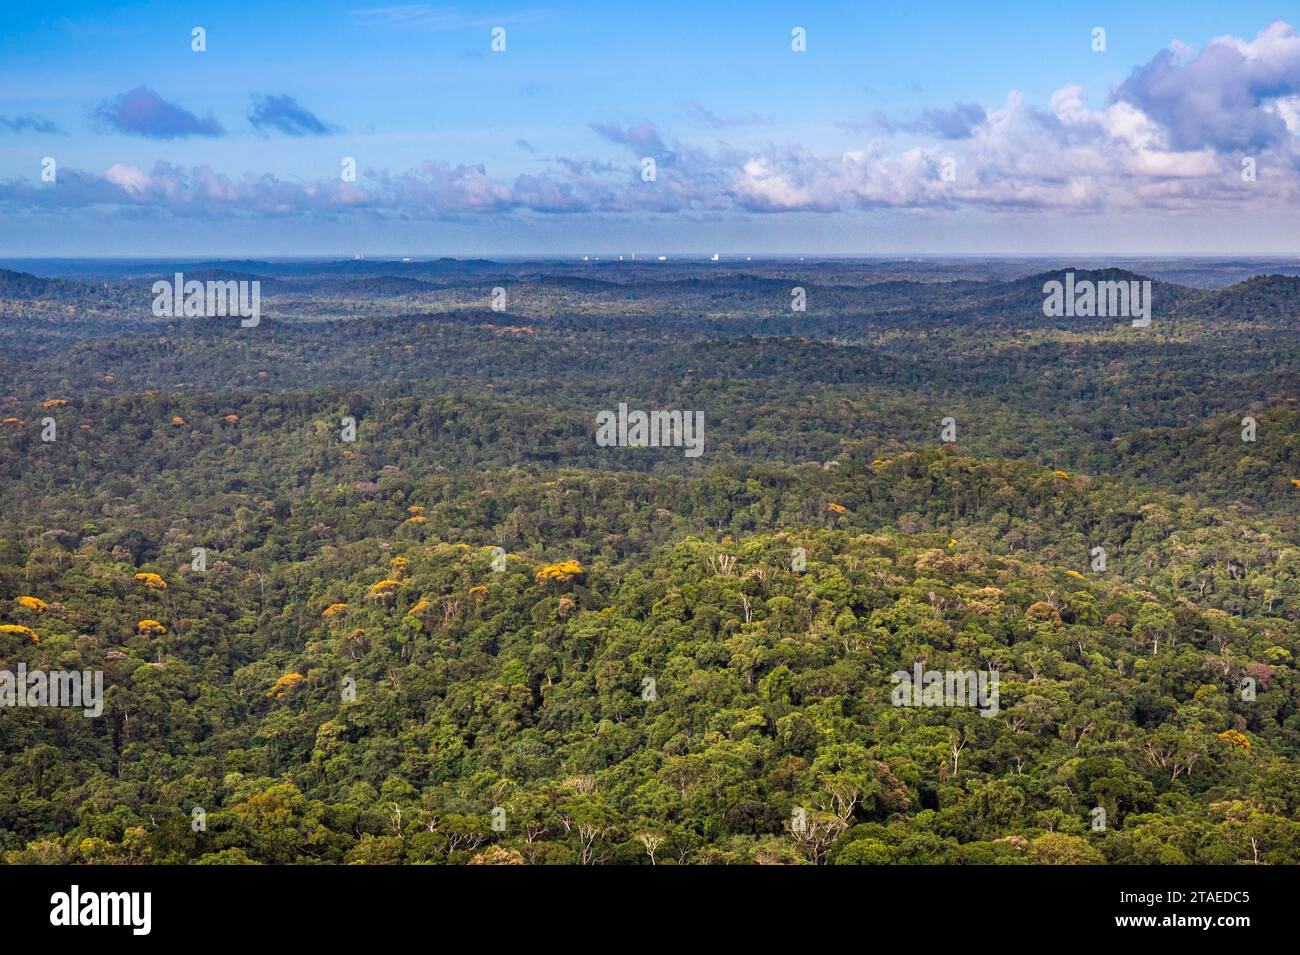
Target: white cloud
(1167,140)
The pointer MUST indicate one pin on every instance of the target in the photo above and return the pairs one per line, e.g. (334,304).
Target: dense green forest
(468,633)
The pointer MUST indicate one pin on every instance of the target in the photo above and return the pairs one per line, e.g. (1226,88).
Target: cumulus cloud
(1065,157)
(1225,97)
(643,139)
(959,122)
(956,123)
(142,112)
(196,192)
(1152,146)
(283,114)
(29,124)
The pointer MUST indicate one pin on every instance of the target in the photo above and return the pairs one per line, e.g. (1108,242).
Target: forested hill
(741,300)
(466,632)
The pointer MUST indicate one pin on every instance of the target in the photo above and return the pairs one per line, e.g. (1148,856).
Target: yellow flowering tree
(1236,738)
(284,685)
(20,631)
(560,573)
(383,590)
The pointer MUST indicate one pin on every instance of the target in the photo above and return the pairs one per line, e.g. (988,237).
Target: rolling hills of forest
(365,588)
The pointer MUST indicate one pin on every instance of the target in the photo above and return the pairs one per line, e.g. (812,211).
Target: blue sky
(1054,147)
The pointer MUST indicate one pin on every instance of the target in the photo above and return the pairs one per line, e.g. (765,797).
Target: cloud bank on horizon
(1185,131)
